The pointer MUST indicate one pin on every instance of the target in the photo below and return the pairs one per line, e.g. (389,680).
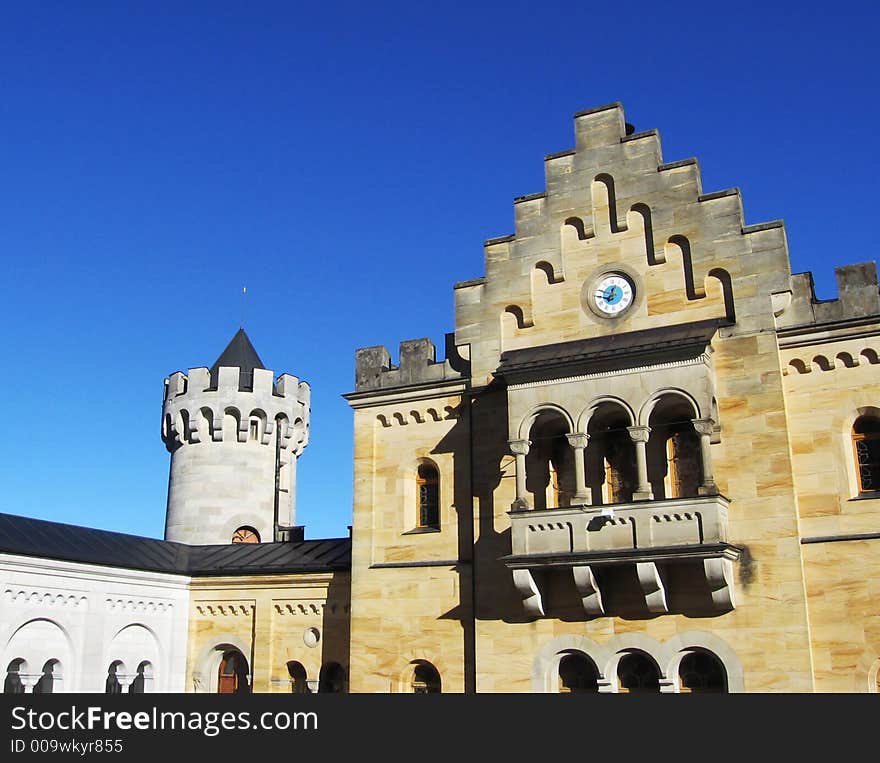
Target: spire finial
(243,300)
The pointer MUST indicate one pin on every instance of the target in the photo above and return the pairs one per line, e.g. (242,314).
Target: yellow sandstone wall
(266,617)
(826,393)
(692,257)
(409,595)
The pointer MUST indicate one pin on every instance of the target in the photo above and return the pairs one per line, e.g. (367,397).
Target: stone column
(704,429)
(29,681)
(578,444)
(520,449)
(639,436)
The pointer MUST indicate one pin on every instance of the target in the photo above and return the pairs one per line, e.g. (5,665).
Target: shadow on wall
(496,597)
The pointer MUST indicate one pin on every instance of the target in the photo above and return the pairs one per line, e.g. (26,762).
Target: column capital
(639,434)
(578,440)
(703,426)
(519,447)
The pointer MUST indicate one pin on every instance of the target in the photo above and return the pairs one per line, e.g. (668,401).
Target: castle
(649,462)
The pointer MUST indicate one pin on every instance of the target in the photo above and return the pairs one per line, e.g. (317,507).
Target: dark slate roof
(239,353)
(54,540)
(612,352)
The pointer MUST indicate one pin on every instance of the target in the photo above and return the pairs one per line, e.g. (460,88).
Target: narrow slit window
(866,447)
(428,491)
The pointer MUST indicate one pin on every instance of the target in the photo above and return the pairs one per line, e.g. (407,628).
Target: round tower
(234,434)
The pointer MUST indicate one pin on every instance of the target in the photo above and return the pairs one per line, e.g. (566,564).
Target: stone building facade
(653,450)
(650,461)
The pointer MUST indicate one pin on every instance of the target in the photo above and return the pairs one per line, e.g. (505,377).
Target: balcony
(643,533)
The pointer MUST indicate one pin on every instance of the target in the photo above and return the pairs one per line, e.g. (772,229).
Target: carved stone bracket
(652,587)
(578,441)
(639,434)
(528,589)
(519,447)
(588,589)
(719,575)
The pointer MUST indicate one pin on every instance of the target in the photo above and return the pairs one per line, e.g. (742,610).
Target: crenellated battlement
(197,411)
(418,365)
(858,296)
(235,433)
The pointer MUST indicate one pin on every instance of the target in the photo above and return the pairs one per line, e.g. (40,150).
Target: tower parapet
(234,434)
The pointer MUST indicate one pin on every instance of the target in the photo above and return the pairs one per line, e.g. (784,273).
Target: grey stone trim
(560,154)
(676,165)
(530,197)
(836,538)
(500,239)
(718,194)
(763,226)
(471,282)
(397,565)
(623,556)
(809,334)
(606,107)
(422,530)
(640,136)
(408,392)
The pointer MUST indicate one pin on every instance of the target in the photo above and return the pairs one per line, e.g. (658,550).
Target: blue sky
(345,163)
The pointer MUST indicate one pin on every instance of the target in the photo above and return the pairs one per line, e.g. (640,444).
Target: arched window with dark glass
(143,679)
(638,674)
(298,677)
(428,493)
(702,673)
(50,676)
(426,679)
(112,684)
(14,671)
(577,675)
(866,445)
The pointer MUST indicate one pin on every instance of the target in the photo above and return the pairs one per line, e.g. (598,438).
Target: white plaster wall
(99,614)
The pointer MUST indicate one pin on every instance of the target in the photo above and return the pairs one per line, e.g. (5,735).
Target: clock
(612,293)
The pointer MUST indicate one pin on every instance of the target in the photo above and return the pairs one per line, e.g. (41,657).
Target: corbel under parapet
(588,589)
(528,588)
(652,587)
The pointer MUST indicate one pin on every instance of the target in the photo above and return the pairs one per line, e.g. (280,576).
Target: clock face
(612,294)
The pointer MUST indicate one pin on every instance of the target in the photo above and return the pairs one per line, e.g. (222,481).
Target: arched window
(866,444)
(143,679)
(428,493)
(426,679)
(577,675)
(331,679)
(682,463)
(13,683)
(232,674)
(297,673)
(702,672)
(51,674)
(245,535)
(637,673)
(112,684)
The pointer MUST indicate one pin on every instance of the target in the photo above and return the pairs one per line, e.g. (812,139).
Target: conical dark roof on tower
(239,353)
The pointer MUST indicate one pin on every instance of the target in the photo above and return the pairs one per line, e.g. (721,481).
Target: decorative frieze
(139,605)
(43,598)
(225,609)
